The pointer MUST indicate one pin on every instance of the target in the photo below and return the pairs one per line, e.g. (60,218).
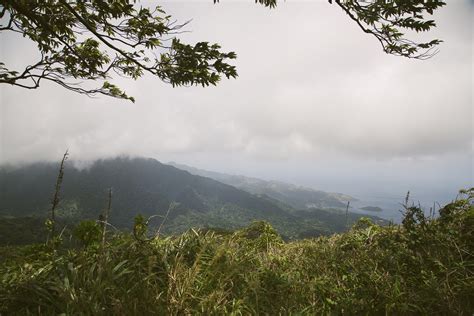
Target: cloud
(311,86)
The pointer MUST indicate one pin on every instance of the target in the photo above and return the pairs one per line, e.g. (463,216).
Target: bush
(424,266)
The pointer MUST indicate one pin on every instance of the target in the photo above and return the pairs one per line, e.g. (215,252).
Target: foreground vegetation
(423,266)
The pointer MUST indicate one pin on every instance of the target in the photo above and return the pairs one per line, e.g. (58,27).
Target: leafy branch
(389,20)
(89,41)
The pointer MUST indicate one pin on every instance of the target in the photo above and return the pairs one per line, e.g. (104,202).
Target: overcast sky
(316,103)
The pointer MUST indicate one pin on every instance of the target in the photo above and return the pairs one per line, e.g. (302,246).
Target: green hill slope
(296,196)
(147,187)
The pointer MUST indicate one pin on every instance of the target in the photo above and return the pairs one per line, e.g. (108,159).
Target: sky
(316,103)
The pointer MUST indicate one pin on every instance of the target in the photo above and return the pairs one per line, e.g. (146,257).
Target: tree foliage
(389,20)
(92,40)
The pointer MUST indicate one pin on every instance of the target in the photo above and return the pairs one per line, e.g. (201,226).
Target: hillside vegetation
(148,187)
(298,197)
(423,266)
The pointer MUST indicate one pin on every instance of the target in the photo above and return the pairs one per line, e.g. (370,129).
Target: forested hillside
(148,187)
(298,197)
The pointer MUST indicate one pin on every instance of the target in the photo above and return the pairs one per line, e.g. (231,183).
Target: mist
(317,103)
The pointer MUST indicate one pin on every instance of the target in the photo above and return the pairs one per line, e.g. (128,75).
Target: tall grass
(424,266)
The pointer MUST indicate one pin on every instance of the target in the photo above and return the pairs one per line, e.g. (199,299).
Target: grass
(424,266)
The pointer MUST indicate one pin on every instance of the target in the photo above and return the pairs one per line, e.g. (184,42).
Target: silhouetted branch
(56,199)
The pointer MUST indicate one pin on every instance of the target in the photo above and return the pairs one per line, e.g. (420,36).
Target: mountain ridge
(294,195)
(146,186)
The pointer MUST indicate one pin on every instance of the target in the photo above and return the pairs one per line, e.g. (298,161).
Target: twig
(170,207)
(106,217)
(55,202)
(347,214)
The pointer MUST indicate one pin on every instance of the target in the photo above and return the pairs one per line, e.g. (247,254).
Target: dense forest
(148,187)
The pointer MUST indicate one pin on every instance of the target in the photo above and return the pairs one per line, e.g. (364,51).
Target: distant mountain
(147,187)
(295,196)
